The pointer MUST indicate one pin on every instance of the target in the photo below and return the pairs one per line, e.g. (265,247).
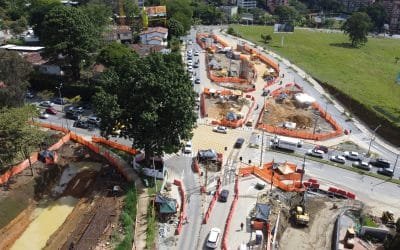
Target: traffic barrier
(182,216)
(196,167)
(115,145)
(224,244)
(202,105)
(212,203)
(351,195)
(312,181)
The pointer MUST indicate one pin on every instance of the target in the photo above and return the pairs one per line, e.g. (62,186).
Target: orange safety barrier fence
(182,215)
(33,158)
(212,203)
(224,244)
(115,145)
(303,134)
(277,179)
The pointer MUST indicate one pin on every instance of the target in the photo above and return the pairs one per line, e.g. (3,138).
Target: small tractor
(388,219)
(300,216)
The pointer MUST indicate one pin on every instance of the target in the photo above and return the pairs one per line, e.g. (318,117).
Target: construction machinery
(300,215)
(349,238)
(388,219)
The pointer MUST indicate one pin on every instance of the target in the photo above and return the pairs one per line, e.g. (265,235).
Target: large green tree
(38,11)
(286,14)
(151,99)
(69,32)
(112,54)
(17,137)
(175,28)
(100,15)
(182,11)
(14,73)
(357,27)
(378,15)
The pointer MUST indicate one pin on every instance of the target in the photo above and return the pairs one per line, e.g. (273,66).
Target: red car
(51,111)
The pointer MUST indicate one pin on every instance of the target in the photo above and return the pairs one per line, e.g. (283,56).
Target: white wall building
(247,4)
(154,36)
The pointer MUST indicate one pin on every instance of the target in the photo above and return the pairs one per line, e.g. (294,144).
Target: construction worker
(241,226)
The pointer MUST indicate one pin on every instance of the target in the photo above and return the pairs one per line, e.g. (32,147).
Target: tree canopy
(17,137)
(175,28)
(378,15)
(38,11)
(112,54)
(69,32)
(150,99)
(286,14)
(14,73)
(181,11)
(357,27)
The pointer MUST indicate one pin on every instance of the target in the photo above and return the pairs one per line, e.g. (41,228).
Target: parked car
(386,171)
(81,124)
(188,148)
(190,69)
(51,111)
(362,165)
(29,95)
(353,156)
(190,62)
(323,148)
(265,92)
(338,158)
(191,78)
(43,115)
(220,129)
(213,238)
(94,120)
(239,142)
(72,115)
(60,101)
(196,53)
(46,104)
(196,65)
(77,109)
(315,153)
(381,163)
(197,81)
(223,196)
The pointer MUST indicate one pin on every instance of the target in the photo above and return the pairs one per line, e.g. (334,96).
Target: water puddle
(49,219)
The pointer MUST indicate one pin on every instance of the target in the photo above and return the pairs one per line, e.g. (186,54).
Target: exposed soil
(217,108)
(279,112)
(93,219)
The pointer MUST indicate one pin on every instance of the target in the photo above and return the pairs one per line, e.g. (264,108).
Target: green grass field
(368,73)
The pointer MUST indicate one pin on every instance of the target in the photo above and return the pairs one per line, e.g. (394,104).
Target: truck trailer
(286,143)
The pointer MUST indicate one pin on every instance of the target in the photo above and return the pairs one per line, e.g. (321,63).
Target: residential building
(393,10)
(273,4)
(145,49)
(354,5)
(247,4)
(119,33)
(154,36)
(230,11)
(157,15)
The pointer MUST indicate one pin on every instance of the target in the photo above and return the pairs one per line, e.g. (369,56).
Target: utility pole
(373,138)
(262,139)
(302,170)
(315,124)
(395,163)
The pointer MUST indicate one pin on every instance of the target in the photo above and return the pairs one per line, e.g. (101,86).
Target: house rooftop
(155,29)
(160,10)
(22,48)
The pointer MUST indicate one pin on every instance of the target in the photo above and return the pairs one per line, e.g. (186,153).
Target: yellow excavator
(299,214)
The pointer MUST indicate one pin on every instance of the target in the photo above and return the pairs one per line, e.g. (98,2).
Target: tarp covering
(167,205)
(262,212)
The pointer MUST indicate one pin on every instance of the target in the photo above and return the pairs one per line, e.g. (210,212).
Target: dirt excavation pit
(280,112)
(79,187)
(219,107)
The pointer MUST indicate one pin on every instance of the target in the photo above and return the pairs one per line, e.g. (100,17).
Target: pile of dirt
(80,184)
(278,113)
(302,121)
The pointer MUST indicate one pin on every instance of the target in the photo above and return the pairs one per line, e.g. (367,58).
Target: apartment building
(393,10)
(247,4)
(354,5)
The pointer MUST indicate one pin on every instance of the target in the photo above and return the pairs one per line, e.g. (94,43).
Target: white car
(338,158)
(351,155)
(220,129)
(213,238)
(190,62)
(191,78)
(47,104)
(188,148)
(43,115)
(196,53)
(362,165)
(190,69)
(94,120)
(316,153)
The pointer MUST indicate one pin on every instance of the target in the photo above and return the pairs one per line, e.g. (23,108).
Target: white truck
(286,143)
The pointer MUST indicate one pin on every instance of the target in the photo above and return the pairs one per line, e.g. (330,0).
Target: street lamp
(395,163)
(262,138)
(373,138)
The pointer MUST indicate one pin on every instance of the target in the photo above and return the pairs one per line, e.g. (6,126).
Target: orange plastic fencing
(212,203)
(34,158)
(182,215)
(115,145)
(261,57)
(224,244)
(267,175)
(301,133)
(220,41)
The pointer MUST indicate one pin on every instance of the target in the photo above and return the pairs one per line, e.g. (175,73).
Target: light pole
(395,163)
(373,138)
(302,170)
(262,138)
